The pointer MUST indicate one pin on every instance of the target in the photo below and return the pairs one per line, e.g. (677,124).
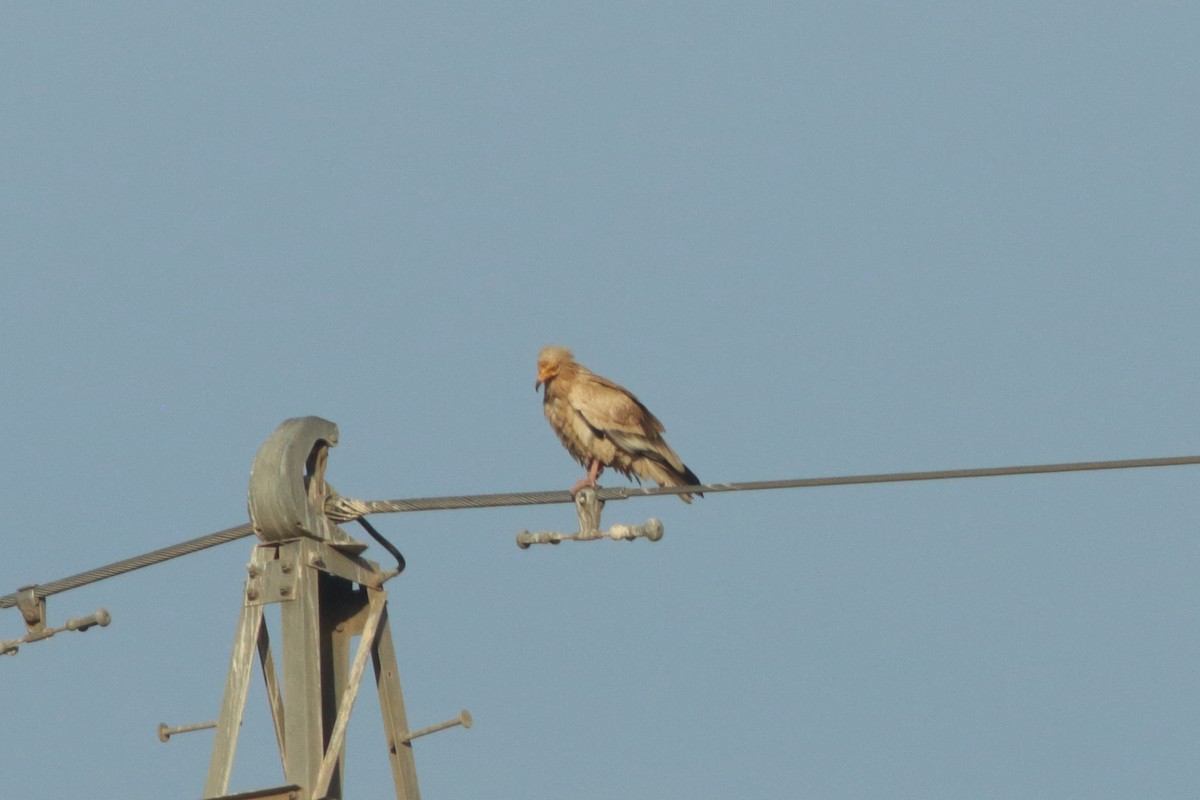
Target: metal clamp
(33,609)
(287,485)
(588,506)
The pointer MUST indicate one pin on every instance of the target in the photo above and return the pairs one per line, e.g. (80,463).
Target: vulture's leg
(594,470)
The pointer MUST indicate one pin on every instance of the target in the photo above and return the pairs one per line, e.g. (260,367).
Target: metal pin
(464,719)
(99,617)
(165,732)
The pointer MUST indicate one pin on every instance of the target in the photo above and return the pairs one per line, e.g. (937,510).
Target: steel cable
(545,498)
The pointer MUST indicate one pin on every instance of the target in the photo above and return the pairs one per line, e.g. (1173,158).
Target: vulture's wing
(615,414)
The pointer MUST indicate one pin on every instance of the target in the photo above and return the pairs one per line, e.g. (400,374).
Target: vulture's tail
(666,475)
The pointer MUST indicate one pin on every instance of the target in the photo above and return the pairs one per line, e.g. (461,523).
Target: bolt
(463,718)
(252,594)
(165,733)
(284,591)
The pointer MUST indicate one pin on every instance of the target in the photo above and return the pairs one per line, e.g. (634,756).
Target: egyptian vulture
(603,425)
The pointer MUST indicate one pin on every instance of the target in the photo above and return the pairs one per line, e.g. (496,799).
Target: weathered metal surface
(165,731)
(349,693)
(279,793)
(233,701)
(588,506)
(353,568)
(339,601)
(280,578)
(395,720)
(320,611)
(463,718)
(287,484)
(274,696)
(99,617)
(304,729)
(34,611)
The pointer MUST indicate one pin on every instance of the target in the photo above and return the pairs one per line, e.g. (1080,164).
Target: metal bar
(349,567)
(366,644)
(338,604)
(274,696)
(233,702)
(463,718)
(395,720)
(278,793)
(165,731)
(301,623)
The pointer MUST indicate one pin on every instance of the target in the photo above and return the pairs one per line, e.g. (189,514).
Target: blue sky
(815,239)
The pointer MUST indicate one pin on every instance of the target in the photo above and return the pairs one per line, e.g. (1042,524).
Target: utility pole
(327,594)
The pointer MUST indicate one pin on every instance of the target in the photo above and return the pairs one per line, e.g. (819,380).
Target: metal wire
(137,562)
(545,498)
(624,493)
(384,543)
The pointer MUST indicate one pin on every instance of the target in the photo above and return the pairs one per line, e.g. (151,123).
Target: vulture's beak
(537,384)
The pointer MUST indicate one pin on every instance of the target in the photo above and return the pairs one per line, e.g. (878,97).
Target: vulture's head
(552,359)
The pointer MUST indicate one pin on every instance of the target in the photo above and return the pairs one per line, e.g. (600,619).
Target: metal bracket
(287,485)
(33,609)
(273,573)
(271,580)
(588,506)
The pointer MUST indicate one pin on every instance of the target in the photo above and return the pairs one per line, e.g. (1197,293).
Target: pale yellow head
(550,361)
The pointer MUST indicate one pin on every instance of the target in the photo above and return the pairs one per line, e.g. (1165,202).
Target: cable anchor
(588,506)
(33,610)
(287,485)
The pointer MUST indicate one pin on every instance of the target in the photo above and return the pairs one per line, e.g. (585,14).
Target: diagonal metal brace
(588,506)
